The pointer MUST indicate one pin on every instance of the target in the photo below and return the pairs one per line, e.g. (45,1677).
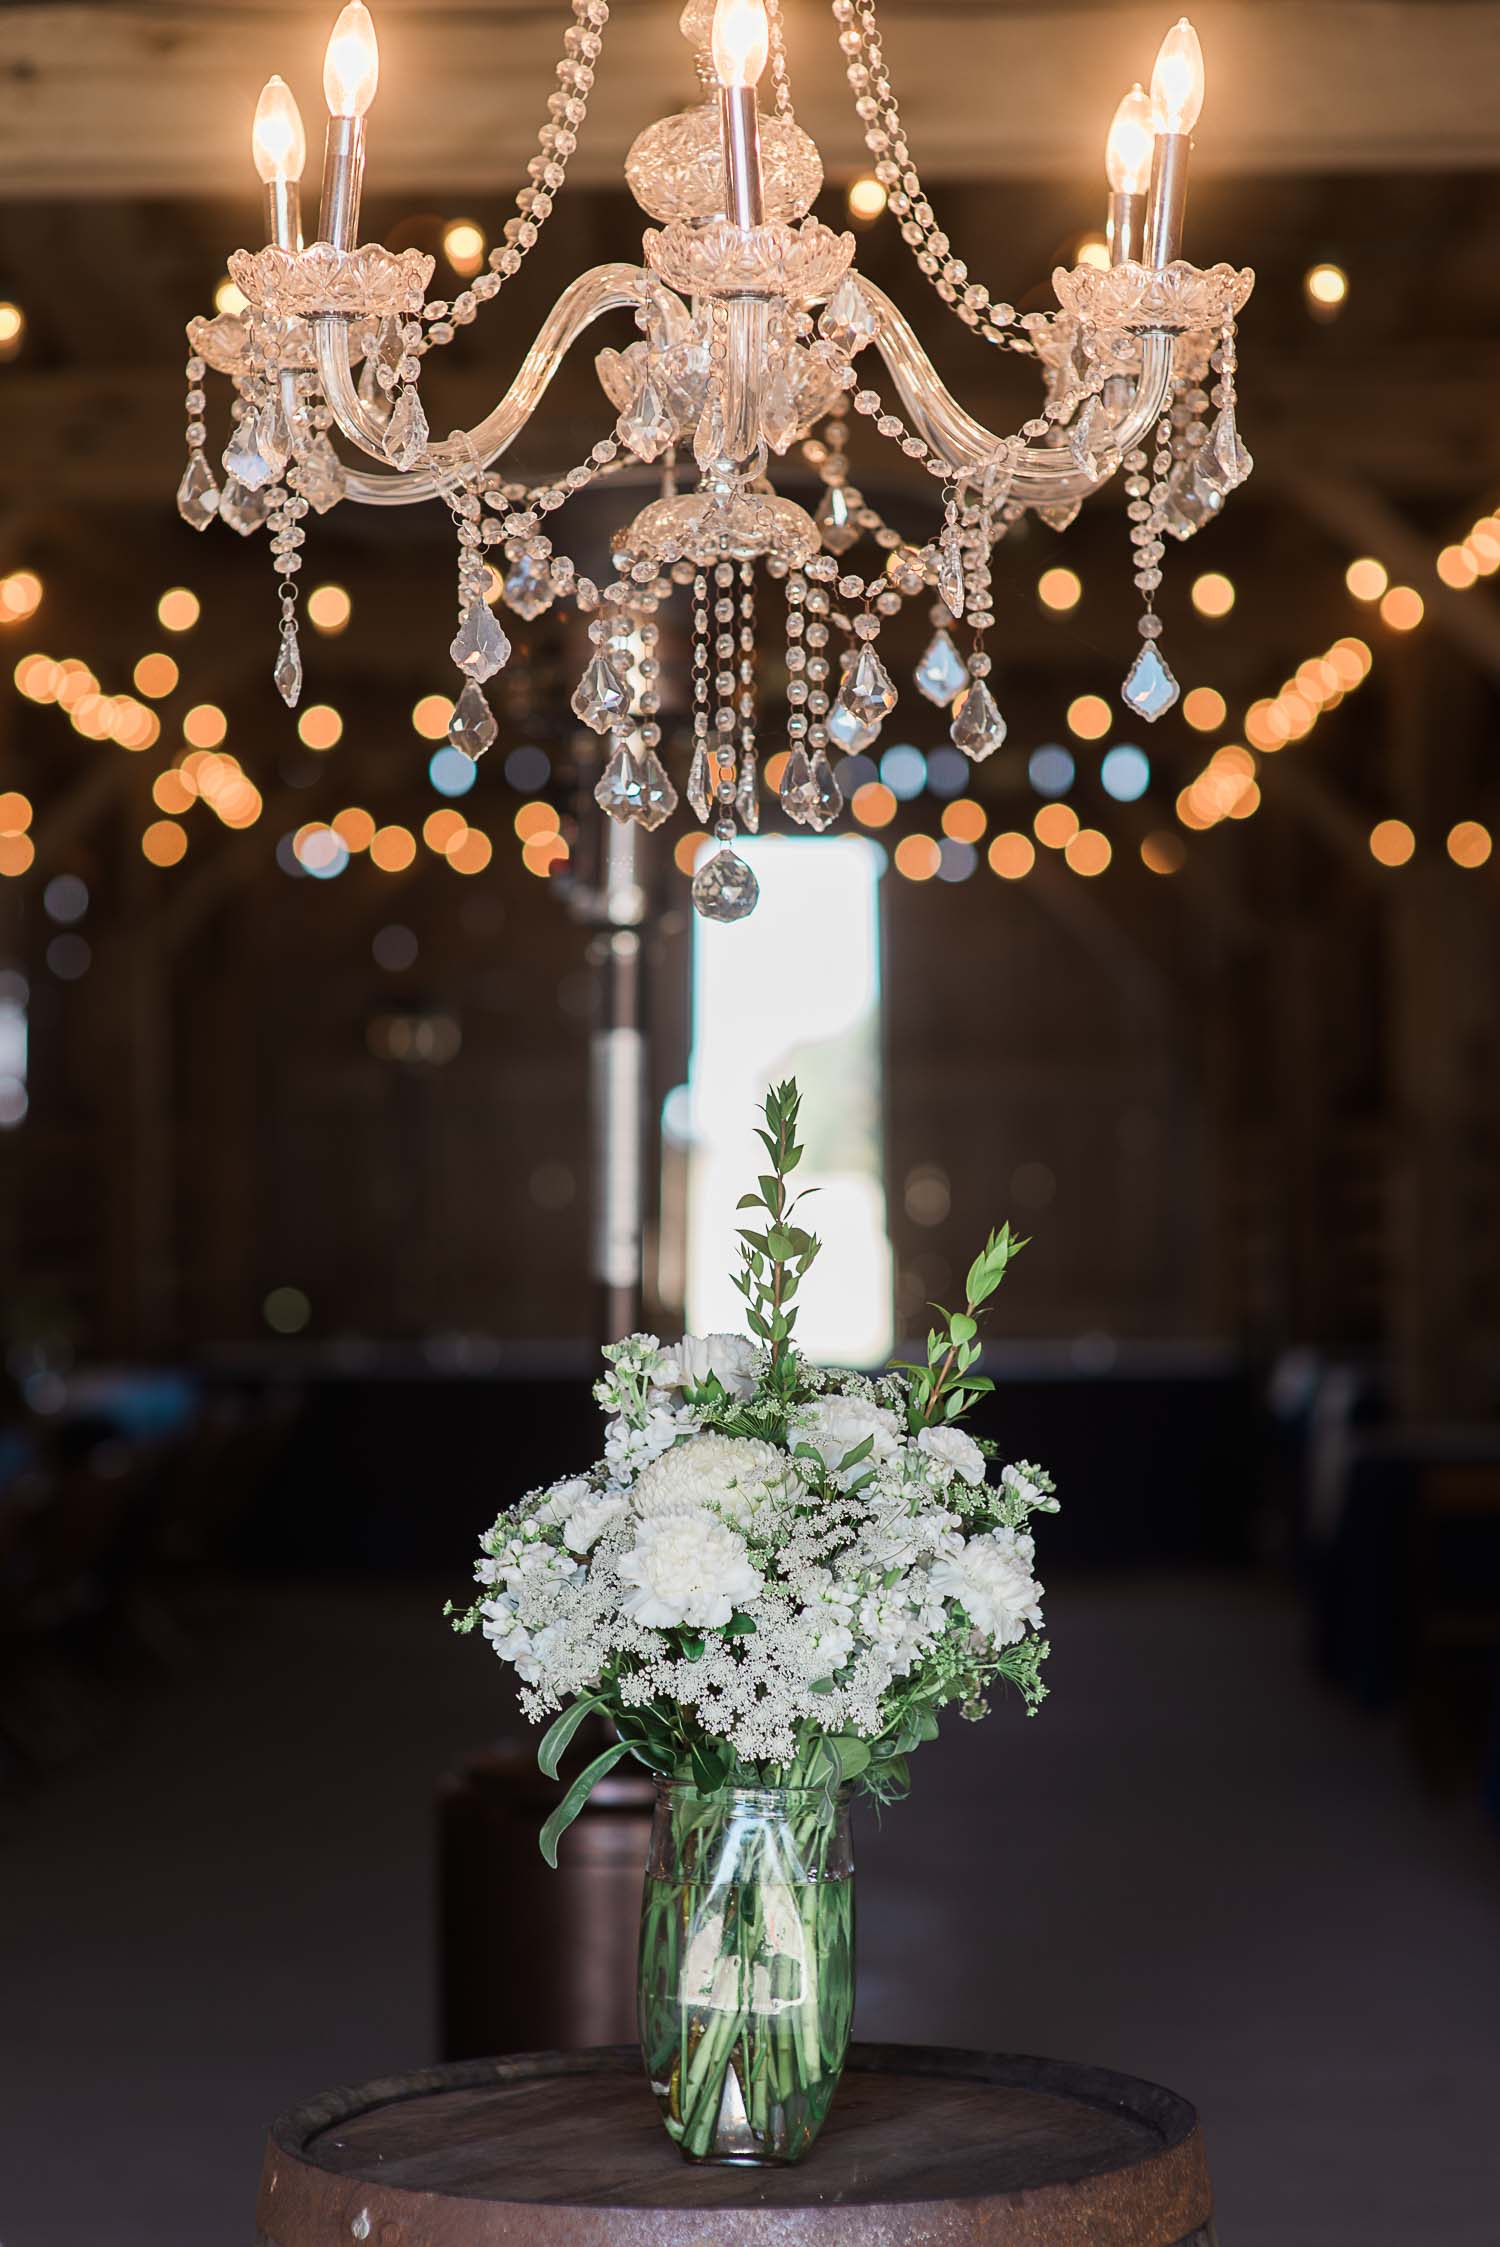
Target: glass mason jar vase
(746,1987)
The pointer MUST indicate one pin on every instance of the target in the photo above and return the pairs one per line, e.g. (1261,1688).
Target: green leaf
(853,1755)
(575,1798)
(961,1328)
(749,1201)
(554,1741)
(691,1645)
(821,1685)
(779,1245)
(710,1766)
(740,1626)
(860,1451)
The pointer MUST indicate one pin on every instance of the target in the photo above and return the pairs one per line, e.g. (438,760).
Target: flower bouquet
(770,1586)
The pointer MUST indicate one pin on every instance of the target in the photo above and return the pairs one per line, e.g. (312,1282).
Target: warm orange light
(1327,286)
(351,63)
(741,41)
(1356,652)
(918,857)
(37,677)
(1204,708)
(205,725)
(1059,589)
(440,829)
(93,715)
(16,854)
(1319,681)
(74,681)
(685,853)
(12,328)
(1188,811)
(964,820)
(1088,852)
(1469,844)
(392,849)
(1367,579)
(775,768)
(20,596)
(178,610)
(133,726)
(464,245)
(873,804)
(1163,852)
(239,802)
(354,827)
(537,819)
(867,198)
(317,848)
(1483,543)
(15,813)
(1055,825)
(1457,568)
(431,715)
(320,726)
(1012,856)
(1246,801)
(171,793)
(1213,594)
(1088,717)
(164,842)
(1093,250)
(472,851)
(156,675)
(1298,712)
(329,609)
(1402,608)
(1392,842)
(278,142)
(545,853)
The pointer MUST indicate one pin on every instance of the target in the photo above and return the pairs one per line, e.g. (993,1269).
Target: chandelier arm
(1042,477)
(604,288)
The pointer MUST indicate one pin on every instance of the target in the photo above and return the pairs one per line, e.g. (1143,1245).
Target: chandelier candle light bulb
(1176,101)
(278,144)
(351,73)
(741,42)
(1128,154)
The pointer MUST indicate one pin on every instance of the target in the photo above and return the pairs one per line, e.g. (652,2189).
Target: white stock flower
(687,1568)
(731,1360)
(561,1499)
(952,1449)
(590,1518)
(835,1426)
(732,1474)
(991,1579)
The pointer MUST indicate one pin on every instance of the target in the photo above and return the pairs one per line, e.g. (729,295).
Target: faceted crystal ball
(724,888)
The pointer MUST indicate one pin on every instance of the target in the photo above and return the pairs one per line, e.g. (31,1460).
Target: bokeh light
(1089,717)
(66,899)
(1392,842)
(12,328)
(20,596)
(451,772)
(286,1310)
(320,726)
(178,610)
(1457,568)
(471,852)
(526,768)
(1088,852)
(464,245)
(1125,772)
(1366,578)
(157,675)
(873,805)
(904,771)
(164,842)
(918,857)
(16,854)
(355,827)
(1012,855)
(1055,825)
(392,849)
(15,812)
(1402,608)
(964,820)
(1326,288)
(1204,708)
(867,198)
(329,609)
(205,725)
(1469,844)
(1051,769)
(430,717)
(1163,852)
(440,828)
(1213,594)
(1059,590)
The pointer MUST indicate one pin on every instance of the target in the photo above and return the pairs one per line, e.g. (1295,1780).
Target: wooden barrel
(923,2148)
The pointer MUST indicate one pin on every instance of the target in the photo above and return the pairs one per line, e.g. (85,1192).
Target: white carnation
(687,1568)
(952,1449)
(590,1518)
(835,1426)
(735,1475)
(991,1579)
(732,1361)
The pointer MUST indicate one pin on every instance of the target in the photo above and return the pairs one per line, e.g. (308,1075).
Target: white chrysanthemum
(733,1362)
(991,1578)
(835,1426)
(735,1475)
(687,1568)
(952,1449)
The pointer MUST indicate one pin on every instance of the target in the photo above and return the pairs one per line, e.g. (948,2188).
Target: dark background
(1247,1113)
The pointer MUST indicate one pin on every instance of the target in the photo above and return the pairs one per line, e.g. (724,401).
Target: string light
(1088,717)
(1213,594)
(1366,578)
(1012,856)
(1469,844)
(1059,589)
(1392,842)
(1055,825)
(179,609)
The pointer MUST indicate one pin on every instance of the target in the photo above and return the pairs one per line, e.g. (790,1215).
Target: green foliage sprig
(945,1387)
(776,1258)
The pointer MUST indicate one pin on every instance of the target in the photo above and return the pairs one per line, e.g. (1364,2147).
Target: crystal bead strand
(658,796)
(780,82)
(286,538)
(724,887)
(875,104)
(978,728)
(1225,447)
(480,648)
(700,787)
(198,493)
(1149,688)
(746,801)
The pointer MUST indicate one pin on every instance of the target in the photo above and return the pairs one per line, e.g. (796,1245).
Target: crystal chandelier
(757,335)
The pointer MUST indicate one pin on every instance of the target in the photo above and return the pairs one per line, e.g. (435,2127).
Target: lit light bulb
(1177,80)
(1131,145)
(277,141)
(351,66)
(741,41)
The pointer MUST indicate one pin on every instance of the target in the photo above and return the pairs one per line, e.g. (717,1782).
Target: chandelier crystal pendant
(757,336)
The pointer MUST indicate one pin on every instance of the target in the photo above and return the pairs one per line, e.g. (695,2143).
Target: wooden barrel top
(924,2148)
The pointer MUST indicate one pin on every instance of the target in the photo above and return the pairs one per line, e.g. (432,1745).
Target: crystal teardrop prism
(197,494)
(1081,435)
(405,438)
(799,796)
(528,588)
(644,426)
(242,509)
(375,401)
(837,530)
(828,795)
(601,695)
(978,728)
(950,574)
(621,786)
(318,475)
(1224,443)
(272,437)
(868,688)
(390,346)
(848,320)
(708,437)
(942,672)
(1149,687)
(288,671)
(480,648)
(658,796)
(472,727)
(724,888)
(700,787)
(1058,518)
(244,462)
(746,796)
(846,731)
(778,413)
